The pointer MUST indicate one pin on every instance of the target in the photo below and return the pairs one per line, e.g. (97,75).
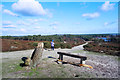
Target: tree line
(61,38)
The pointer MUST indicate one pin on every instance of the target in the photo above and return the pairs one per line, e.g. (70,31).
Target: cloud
(109,23)
(37,27)
(9,12)
(83,3)
(22,23)
(9,26)
(91,15)
(36,20)
(23,30)
(54,27)
(1,6)
(6,22)
(107,6)
(58,4)
(77,23)
(54,24)
(106,23)
(29,8)
(49,14)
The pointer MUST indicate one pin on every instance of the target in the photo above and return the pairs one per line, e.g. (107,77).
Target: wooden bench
(82,58)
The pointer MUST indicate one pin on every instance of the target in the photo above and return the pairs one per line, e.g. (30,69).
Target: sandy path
(104,66)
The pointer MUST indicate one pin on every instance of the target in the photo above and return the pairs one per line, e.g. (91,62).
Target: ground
(104,66)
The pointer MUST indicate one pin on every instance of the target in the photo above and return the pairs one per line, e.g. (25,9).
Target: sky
(48,18)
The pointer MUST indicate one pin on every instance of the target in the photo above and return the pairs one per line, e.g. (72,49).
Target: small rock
(76,75)
(103,74)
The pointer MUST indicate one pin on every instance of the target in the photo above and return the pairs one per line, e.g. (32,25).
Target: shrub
(68,46)
(57,45)
(35,44)
(47,45)
(15,42)
(30,43)
(62,45)
(86,46)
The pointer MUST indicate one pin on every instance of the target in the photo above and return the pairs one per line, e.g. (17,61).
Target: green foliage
(57,45)
(86,46)
(16,43)
(71,40)
(47,45)
(62,45)
(61,38)
(30,43)
(35,44)
(68,46)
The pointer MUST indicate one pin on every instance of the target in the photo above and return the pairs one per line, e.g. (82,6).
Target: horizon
(66,34)
(48,18)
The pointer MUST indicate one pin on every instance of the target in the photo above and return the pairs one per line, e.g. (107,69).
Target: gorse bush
(57,45)
(62,45)
(68,46)
(86,46)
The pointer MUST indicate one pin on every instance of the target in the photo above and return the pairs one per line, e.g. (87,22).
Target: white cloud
(9,12)
(1,6)
(91,15)
(23,30)
(107,6)
(22,23)
(5,29)
(29,8)
(54,24)
(54,27)
(109,23)
(6,22)
(37,27)
(58,4)
(106,23)
(77,23)
(9,26)
(36,20)
(83,3)
(49,14)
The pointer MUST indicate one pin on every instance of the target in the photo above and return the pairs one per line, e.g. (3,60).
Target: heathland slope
(104,66)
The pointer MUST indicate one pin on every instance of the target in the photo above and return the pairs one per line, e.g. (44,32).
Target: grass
(96,53)
(10,67)
(90,52)
(118,58)
(46,70)
(77,51)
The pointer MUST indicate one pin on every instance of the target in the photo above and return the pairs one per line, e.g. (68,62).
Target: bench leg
(60,58)
(82,61)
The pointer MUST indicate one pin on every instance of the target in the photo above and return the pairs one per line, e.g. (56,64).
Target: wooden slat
(72,55)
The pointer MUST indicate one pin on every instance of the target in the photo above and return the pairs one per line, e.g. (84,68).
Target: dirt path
(104,66)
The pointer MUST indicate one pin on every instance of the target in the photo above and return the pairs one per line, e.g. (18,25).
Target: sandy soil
(104,66)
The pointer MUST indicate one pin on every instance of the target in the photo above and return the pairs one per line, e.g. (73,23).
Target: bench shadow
(74,64)
(23,59)
(52,57)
